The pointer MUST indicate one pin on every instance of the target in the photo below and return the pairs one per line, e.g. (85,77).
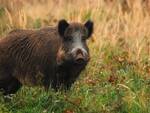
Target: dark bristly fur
(30,57)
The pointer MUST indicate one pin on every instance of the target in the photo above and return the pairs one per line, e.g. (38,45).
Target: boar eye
(84,38)
(69,38)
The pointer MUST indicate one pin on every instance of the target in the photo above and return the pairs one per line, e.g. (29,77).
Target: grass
(117,79)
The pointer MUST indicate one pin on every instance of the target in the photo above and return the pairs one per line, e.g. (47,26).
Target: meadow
(117,78)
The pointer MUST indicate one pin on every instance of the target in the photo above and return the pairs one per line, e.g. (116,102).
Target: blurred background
(114,19)
(117,79)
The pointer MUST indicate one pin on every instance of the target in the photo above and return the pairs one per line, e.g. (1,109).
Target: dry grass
(110,22)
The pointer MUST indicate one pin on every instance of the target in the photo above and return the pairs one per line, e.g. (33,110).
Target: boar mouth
(80,59)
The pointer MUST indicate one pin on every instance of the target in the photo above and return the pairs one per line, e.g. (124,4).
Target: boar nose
(80,56)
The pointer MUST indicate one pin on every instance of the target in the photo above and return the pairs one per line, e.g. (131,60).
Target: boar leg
(9,85)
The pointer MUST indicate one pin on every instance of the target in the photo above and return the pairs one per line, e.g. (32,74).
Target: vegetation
(117,79)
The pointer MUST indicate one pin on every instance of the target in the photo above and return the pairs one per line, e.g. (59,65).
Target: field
(116,80)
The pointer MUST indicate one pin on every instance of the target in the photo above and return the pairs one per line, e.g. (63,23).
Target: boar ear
(89,25)
(62,25)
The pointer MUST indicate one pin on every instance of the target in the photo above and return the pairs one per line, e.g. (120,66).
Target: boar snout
(80,56)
